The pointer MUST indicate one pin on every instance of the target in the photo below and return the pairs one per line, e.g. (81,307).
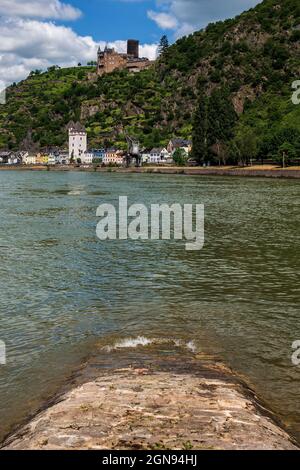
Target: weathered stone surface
(169,405)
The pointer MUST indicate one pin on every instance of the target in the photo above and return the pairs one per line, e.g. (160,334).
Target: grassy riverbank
(176,401)
(267,171)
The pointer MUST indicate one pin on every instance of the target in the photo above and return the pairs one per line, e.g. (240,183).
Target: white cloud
(54,9)
(192,15)
(163,20)
(29,41)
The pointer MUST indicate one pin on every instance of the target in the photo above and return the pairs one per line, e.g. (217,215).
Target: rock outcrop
(184,402)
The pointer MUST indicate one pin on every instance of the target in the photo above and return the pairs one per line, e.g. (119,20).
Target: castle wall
(141,64)
(110,60)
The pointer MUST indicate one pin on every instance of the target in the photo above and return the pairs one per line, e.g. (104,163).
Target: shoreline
(175,401)
(265,171)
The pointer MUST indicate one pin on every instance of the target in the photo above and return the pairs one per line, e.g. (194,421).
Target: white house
(52,159)
(29,159)
(87,158)
(145,156)
(159,156)
(77,141)
(5,156)
(14,160)
(63,158)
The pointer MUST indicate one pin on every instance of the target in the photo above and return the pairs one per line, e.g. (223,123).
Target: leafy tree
(276,138)
(286,153)
(244,146)
(180,157)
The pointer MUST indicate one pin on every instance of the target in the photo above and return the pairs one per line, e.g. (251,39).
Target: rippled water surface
(63,291)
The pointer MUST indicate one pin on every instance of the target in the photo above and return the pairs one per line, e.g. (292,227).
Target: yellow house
(42,159)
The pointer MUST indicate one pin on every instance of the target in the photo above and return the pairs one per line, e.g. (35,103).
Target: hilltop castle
(110,60)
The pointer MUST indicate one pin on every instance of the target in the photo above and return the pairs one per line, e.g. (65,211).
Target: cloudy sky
(38,33)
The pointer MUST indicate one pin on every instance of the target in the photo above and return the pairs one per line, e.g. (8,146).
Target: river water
(64,293)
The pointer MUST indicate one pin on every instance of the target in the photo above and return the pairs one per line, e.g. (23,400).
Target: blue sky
(133,17)
(36,34)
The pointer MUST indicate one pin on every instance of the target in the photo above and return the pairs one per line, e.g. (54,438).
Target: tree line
(219,136)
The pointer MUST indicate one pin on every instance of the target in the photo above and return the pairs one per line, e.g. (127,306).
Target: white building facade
(159,156)
(77,141)
(87,158)
(30,160)
(52,159)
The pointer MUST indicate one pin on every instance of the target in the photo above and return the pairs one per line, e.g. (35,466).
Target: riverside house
(113,157)
(159,156)
(175,144)
(4,157)
(52,159)
(11,158)
(30,159)
(42,159)
(87,158)
(99,155)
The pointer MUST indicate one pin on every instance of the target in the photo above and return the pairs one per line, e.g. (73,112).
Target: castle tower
(77,140)
(133,48)
(110,60)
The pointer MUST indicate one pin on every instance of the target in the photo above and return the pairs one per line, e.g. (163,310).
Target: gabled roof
(181,142)
(6,154)
(75,127)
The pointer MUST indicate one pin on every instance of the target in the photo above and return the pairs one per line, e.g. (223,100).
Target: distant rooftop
(77,127)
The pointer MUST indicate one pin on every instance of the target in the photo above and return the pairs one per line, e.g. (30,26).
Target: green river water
(63,291)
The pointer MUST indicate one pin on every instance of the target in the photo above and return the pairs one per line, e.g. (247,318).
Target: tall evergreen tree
(199,152)
(221,117)
(163,45)
(213,125)
(221,121)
